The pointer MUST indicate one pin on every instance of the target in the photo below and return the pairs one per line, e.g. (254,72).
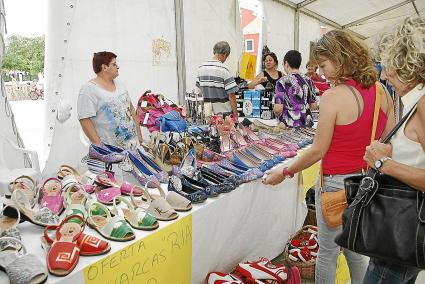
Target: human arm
(279,94)
(136,123)
(412,176)
(321,142)
(89,130)
(260,78)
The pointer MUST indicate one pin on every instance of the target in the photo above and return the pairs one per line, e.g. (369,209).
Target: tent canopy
(366,18)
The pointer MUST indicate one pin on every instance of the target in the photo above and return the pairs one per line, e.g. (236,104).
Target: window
(249,45)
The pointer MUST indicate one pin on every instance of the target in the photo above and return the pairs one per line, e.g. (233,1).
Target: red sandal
(64,253)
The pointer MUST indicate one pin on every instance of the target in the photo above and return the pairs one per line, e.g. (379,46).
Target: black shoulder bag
(385,218)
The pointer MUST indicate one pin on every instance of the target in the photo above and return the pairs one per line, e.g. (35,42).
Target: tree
(24,54)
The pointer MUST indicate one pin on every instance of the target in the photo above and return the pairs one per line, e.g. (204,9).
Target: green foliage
(24,54)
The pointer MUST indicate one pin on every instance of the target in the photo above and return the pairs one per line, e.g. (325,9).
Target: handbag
(333,203)
(385,218)
(172,121)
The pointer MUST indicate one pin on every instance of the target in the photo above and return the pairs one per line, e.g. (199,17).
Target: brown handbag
(333,203)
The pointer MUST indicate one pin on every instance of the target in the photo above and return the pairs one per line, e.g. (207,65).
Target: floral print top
(296,92)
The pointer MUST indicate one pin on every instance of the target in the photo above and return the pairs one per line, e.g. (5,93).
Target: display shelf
(251,221)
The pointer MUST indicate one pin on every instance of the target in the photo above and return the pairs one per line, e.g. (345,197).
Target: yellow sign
(161,258)
(342,272)
(309,177)
(248,66)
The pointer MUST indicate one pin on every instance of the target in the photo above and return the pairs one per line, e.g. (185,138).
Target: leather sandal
(64,253)
(135,216)
(19,265)
(112,228)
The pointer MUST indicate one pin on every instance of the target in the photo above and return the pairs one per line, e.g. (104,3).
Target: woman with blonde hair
(402,55)
(343,132)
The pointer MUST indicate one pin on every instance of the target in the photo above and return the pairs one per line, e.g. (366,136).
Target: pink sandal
(107,179)
(51,195)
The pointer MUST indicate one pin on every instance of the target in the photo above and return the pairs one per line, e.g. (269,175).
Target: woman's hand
(376,151)
(263,79)
(273,177)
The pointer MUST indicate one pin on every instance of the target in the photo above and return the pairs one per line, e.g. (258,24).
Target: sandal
(20,266)
(107,179)
(136,217)
(8,226)
(50,195)
(112,228)
(89,245)
(44,217)
(178,202)
(27,185)
(64,253)
(107,195)
(156,206)
(87,178)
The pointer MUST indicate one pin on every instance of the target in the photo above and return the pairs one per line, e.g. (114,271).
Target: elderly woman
(403,58)
(343,132)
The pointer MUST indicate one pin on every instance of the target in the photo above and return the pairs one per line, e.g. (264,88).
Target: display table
(251,221)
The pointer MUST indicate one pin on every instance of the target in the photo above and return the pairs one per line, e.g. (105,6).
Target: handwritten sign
(309,177)
(162,257)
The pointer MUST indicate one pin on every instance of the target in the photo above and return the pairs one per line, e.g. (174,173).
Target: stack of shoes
(305,247)
(253,272)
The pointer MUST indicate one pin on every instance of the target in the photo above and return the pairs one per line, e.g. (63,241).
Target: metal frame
(414,7)
(180,51)
(376,14)
(305,3)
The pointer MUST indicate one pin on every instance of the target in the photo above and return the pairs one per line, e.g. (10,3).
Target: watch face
(378,164)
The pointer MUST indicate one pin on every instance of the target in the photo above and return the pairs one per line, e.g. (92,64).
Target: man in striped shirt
(217,85)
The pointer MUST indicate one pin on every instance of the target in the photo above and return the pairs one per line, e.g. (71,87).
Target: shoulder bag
(385,218)
(333,203)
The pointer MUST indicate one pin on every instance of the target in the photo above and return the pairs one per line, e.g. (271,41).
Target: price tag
(144,104)
(145,121)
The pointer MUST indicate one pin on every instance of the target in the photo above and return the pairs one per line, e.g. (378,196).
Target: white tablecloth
(253,220)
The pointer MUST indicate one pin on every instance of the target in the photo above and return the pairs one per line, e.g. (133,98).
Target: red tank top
(348,145)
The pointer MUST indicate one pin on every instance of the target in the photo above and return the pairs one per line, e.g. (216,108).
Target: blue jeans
(328,250)
(382,272)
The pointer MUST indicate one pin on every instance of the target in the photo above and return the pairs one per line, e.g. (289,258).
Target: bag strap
(378,100)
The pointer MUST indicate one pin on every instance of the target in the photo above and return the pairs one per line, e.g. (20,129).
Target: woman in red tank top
(343,132)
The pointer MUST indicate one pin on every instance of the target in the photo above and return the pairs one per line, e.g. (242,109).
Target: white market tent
(160,44)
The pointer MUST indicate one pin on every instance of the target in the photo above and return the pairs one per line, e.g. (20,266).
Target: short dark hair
(293,57)
(102,57)
(272,55)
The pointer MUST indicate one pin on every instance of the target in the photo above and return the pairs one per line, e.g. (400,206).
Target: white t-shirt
(109,112)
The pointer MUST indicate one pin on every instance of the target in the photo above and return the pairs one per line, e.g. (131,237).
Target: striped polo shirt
(216,83)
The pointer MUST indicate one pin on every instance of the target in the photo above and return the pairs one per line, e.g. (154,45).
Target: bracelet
(286,173)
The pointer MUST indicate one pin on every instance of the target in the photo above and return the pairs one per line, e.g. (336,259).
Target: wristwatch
(379,163)
(286,173)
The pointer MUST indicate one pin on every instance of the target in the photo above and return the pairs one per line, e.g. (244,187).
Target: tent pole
(297,29)
(180,51)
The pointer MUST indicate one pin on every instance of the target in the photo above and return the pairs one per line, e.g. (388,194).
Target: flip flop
(136,217)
